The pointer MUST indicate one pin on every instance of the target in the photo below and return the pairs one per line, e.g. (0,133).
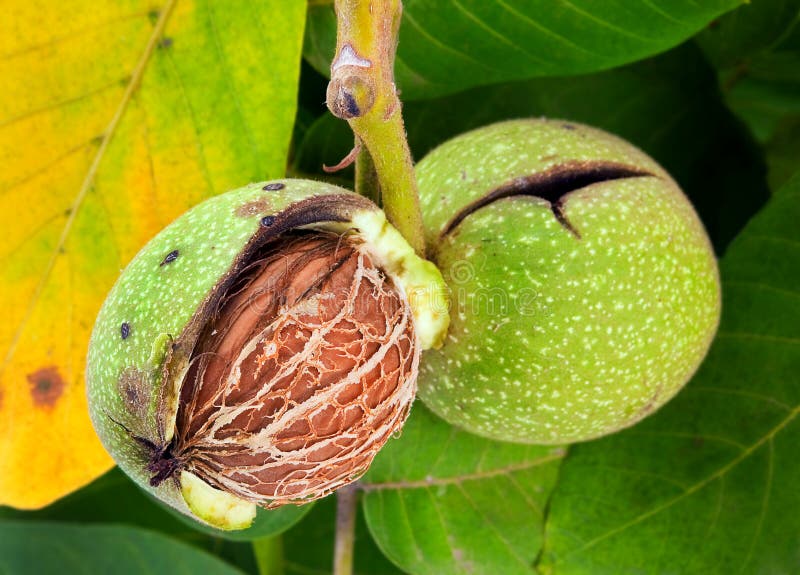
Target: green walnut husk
(146,332)
(585,290)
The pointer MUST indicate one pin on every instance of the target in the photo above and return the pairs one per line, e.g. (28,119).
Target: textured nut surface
(307,368)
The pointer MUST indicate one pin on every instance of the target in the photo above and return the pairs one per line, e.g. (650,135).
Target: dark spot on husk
(163,465)
(554,186)
(125,330)
(170,257)
(274,187)
(133,389)
(165,42)
(568,127)
(252,208)
(650,405)
(46,386)
(161,461)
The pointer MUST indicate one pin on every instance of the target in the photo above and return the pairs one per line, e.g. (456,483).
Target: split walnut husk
(261,349)
(308,367)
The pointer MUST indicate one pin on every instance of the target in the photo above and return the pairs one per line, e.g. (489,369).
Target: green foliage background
(709,485)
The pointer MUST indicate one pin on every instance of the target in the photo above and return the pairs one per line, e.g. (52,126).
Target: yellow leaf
(115,117)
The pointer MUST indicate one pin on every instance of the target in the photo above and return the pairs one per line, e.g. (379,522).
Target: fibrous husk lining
(305,370)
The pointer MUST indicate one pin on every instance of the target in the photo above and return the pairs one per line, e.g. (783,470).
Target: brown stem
(346,502)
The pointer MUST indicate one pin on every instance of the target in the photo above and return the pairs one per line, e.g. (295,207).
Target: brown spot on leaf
(460,557)
(46,386)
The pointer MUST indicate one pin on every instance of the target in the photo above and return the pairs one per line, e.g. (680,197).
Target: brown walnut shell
(306,371)
(261,349)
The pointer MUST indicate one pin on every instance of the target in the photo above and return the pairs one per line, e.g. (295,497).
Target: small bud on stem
(362,91)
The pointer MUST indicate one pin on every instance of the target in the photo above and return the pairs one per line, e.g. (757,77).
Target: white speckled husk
(157,300)
(556,338)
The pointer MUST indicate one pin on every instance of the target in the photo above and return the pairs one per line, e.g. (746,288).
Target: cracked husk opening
(306,367)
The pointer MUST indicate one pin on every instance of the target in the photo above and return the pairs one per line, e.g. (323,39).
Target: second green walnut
(585,289)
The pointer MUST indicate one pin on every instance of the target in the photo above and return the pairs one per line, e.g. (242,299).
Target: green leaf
(115,117)
(753,28)
(443,501)
(783,152)
(58,548)
(449,45)
(114,498)
(308,547)
(669,106)
(756,50)
(709,484)
(326,141)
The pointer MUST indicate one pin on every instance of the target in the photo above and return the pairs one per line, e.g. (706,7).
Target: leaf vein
(436,42)
(133,85)
(497,34)
(59,104)
(693,489)
(605,23)
(524,466)
(514,553)
(541,27)
(764,503)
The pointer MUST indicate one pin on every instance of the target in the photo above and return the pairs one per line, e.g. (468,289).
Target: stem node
(362,91)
